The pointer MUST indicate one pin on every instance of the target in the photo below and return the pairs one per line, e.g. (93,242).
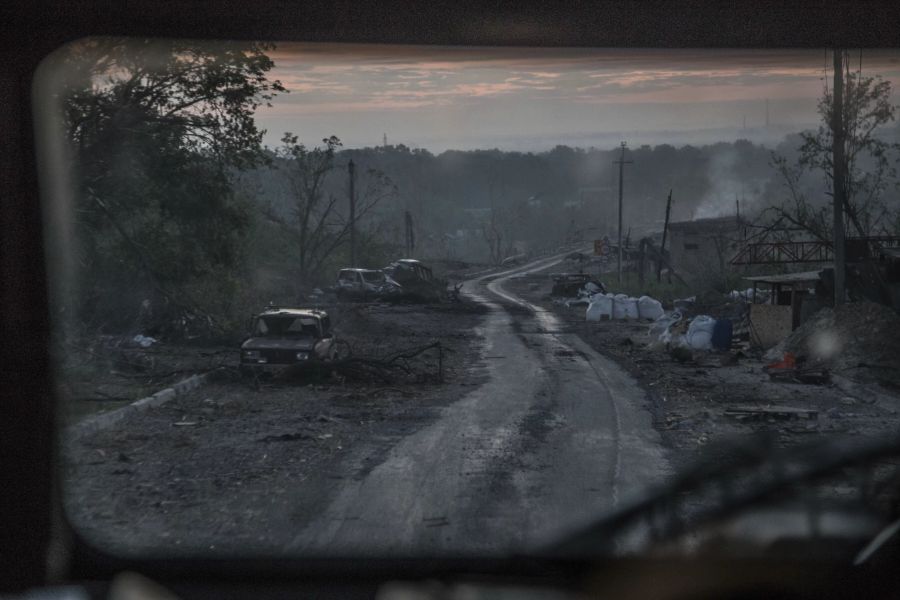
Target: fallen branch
(388,368)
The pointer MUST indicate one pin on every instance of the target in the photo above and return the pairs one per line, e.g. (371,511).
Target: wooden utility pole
(662,247)
(410,238)
(351,169)
(839,190)
(621,162)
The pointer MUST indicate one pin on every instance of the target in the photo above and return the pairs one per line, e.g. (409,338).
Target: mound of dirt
(860,340)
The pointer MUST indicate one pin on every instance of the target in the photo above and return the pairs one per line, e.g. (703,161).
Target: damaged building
(705,245)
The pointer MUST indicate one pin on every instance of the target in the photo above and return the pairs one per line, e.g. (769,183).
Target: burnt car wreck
(283,337)
(417,281)
(364,284)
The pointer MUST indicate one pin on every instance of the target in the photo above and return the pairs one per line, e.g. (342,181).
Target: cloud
(419,90)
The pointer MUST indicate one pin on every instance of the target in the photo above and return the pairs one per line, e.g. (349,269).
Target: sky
(529,99)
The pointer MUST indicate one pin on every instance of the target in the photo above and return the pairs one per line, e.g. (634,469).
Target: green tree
(158,130)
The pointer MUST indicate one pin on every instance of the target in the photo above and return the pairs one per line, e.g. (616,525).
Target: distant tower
(385,140)
(745,122)
(767,112)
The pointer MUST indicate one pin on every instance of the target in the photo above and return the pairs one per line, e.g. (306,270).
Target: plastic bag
(699,333)
(590,288)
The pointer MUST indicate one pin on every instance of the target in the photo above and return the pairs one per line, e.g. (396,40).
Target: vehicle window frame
(34,402)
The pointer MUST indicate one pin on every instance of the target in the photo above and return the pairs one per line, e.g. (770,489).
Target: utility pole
(662,247)
(838,188)
(410,238)
(621,162)
(351,169)
(767,112)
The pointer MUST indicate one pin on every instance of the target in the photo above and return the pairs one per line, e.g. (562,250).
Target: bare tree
(498,229)
(867,107)
(315,221)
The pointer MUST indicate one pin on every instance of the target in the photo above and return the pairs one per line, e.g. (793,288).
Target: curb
(103,420)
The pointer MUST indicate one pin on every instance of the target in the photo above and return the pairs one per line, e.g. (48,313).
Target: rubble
(574,285)
(698,397)
(858,339)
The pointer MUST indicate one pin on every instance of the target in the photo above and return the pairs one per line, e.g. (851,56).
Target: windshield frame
(34,404)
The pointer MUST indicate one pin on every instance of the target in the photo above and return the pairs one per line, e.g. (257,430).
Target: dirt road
(554,438)
(530,433)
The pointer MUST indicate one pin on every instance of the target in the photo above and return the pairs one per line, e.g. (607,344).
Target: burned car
(282,337)
(569,284)
(364,284)
(417,281)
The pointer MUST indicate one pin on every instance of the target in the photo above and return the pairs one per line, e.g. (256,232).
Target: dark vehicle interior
(43,556)
(287,326)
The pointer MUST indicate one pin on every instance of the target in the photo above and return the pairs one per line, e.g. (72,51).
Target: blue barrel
(721,335)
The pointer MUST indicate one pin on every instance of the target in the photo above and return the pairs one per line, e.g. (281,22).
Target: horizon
(533,99)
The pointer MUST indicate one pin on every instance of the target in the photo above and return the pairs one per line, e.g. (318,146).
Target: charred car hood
(278,343)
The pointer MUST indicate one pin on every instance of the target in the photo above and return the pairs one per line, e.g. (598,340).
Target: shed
(890,259)
(790,303)
(696,247)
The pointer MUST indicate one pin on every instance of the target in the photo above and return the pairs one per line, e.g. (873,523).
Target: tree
(867,108)
(314,220)
(497,229)
(158,129)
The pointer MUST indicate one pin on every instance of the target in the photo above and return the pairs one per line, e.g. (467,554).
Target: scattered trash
(858,340)
(590,288)
(762,296)
(788,362)
(770,413)
(143,341)
(684,303)
(584,301)
(660,329)
(285,437)
(184,423)
(730,359)
(681,354)
(575,285)
(811,376)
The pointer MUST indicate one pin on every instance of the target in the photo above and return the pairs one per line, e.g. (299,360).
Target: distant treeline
(546,197)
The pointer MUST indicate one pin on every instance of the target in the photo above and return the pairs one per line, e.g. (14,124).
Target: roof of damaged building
(276,311)
(707,225)
(890,253)
(801,277)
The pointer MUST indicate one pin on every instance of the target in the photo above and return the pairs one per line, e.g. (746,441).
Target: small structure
(705,244)
(890,259)
(792,300)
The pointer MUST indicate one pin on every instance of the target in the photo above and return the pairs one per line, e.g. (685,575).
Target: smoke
(725,187)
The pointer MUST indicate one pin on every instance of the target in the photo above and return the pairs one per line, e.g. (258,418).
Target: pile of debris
(574,288)
(858,340)
(621,306)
